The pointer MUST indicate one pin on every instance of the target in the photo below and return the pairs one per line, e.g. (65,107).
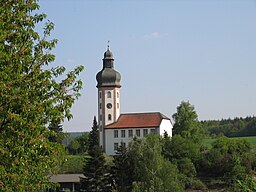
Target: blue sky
(202,51)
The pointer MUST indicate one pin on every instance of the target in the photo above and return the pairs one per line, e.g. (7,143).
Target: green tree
(57,134)
(184,148)
(93,139)
(32,94)
(186,122)
(123,170)
(185,154)
(79,145)
(83,141)
(230,160)
(248,184)
(95,170)
(152,171)
(74,147)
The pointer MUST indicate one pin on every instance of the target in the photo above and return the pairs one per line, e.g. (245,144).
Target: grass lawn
(73,164)
(252,140)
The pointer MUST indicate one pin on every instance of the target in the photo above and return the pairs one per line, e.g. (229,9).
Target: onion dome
(108,76)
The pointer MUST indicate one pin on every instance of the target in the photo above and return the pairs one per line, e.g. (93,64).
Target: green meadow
(73,164)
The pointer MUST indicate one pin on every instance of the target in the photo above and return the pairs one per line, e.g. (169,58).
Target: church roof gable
(138,120)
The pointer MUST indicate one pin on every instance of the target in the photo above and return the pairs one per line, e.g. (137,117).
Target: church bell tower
(108,84)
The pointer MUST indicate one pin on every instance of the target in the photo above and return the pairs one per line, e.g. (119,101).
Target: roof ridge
(152,119)
(140,113)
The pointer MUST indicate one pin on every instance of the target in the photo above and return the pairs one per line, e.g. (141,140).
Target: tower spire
(108,44)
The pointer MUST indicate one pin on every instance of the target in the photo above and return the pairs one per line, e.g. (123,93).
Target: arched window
(117,94)
(108,94)
(109,117)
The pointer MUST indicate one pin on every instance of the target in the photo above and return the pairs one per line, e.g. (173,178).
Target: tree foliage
(237,127)
(31,96)
(123,170)
(229,160)
(93,139)
(95,170)
(152,171)
(186,122)
(185,154)
(81,143)
(73,147)
(56,131)
(184,148)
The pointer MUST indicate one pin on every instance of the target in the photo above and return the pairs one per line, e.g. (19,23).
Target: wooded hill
(237,127)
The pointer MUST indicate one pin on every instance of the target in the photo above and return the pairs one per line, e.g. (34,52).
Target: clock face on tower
(109,105)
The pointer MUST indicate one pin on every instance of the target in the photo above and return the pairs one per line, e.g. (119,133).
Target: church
(115,128)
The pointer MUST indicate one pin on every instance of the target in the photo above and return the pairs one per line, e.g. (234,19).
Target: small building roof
(138,120)
(66,178)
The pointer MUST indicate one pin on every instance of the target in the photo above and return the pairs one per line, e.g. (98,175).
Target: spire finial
(108,44)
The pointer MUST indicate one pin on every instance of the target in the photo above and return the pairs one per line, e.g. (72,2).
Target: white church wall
(111,140)
(117,103)
(166,125)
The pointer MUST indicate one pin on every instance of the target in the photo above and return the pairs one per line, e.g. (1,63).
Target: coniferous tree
(95,170)
(123,170)
(57,134)
(93,136)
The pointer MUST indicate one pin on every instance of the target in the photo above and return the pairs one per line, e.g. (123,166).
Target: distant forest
(237,127)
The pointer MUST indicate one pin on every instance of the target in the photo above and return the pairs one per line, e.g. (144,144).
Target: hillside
(237,127)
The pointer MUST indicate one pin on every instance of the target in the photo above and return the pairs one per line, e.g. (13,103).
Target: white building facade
(133,125)
(116,128)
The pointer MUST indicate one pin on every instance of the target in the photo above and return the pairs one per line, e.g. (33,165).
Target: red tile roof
(138,120)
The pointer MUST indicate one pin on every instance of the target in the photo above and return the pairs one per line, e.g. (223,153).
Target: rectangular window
(122,133)
(115,146)
(153,131)
(138,132)
(145,132)
(115,133)
(130,133)
(123,144)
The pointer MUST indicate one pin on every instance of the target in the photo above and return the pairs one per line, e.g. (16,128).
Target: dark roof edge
(162,116)
(109,127)
(159,113)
